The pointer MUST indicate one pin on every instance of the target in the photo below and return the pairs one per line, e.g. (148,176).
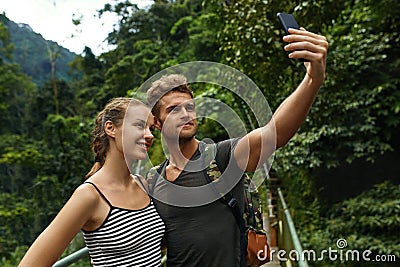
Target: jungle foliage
(353,125)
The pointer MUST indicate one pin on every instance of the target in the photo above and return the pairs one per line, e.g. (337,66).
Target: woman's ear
(109,129)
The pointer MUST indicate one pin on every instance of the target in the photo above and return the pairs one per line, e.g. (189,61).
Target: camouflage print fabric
(213,171)
(252,214)
(252,203)
(151,178)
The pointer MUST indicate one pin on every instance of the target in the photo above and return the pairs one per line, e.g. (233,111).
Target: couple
(122,225)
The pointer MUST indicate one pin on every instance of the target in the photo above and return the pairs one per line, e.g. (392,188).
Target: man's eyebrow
(140,120)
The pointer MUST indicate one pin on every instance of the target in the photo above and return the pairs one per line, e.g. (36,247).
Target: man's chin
(185,137)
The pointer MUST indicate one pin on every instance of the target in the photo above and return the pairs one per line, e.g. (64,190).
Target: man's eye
(176,109)
(190,107)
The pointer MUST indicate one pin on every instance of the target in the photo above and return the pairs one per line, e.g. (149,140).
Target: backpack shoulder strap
(212,173)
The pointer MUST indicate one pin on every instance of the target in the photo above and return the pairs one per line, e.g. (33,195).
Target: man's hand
(310,46)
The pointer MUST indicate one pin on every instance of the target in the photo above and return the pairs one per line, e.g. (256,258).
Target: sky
(53,20)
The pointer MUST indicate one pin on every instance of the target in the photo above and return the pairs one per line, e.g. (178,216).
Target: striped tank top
(126,237)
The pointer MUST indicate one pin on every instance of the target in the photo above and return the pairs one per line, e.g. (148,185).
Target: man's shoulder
(224,149)
(154,171)
(228,142)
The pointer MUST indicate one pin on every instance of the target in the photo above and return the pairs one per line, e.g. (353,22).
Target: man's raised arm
(255,148)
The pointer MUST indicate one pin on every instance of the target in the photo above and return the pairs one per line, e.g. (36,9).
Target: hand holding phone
(288,21)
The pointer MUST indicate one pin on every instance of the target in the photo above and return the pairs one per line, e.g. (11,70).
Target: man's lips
(186,124)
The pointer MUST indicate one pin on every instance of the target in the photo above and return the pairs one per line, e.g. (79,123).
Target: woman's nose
(148,134)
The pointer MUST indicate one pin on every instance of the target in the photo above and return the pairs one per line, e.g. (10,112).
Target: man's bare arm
(257,146)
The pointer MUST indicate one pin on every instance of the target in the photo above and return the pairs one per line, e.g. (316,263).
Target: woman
(119,222)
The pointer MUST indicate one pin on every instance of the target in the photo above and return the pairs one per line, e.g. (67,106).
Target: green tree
(149,40)
(16,90)
(368,222)
(89,98)
(356,114)
(6,46)
(42,157)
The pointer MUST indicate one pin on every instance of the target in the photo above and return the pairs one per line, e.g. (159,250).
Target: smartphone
(288,21)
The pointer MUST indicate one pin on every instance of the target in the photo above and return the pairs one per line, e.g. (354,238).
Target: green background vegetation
(340,172)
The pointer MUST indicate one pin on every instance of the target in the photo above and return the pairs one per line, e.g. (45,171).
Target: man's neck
(181,153)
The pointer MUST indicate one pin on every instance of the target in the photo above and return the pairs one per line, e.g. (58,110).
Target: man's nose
(185,113)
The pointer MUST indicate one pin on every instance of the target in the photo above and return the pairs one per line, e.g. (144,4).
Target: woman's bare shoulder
(87,193)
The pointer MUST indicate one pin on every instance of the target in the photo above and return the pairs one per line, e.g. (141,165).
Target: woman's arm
(51,243)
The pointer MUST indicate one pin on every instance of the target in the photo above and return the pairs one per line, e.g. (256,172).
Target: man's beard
(186,137)
(183,137)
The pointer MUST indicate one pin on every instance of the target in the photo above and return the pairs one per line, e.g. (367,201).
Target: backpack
(253,239)
(252,214)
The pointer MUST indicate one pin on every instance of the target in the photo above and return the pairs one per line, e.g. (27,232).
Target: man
(208,235)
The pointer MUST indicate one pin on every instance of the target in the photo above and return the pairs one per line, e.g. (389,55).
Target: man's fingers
(304,32)
(317,39)
(315,47)
(305,44)
(307,55)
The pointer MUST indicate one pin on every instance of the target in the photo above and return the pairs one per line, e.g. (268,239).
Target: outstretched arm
(255,148)
(52,242)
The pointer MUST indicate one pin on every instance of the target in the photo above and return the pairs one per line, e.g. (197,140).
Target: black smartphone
(288,21)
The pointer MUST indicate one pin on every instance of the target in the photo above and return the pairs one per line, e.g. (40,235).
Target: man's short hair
(163,86)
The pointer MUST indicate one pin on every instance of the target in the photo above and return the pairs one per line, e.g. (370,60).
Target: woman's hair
(164,85)
(114,111)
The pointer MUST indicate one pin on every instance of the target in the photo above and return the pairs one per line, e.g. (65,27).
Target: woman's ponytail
(99,144)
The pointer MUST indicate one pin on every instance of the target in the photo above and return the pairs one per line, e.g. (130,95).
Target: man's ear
(157,123)
(109,129)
